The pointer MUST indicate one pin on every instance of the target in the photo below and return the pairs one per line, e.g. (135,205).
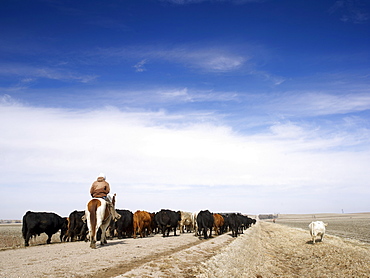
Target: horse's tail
(92,207)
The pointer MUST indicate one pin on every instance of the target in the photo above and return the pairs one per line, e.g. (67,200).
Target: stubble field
(283,249)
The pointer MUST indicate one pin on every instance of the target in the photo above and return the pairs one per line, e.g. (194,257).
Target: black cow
(166,220)
(226,225)
(250,222)
(77,228)
(36,223)
(245,222)
(254,221)
(205,221)
(123,226)
(234,224)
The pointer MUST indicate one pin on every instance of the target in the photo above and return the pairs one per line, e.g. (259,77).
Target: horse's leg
(103,223)
(92,236)
(92,222)
(103,235)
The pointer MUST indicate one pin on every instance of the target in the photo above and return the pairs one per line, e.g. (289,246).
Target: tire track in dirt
(153,259)
(181,263)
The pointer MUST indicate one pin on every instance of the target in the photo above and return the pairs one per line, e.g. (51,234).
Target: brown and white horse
(98,216)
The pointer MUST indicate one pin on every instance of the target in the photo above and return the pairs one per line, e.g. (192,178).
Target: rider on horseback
(100,189)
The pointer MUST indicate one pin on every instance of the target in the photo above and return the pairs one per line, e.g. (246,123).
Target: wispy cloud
(207,59)
(211,59)
(312,104)
(354,11)
(186,95)
(27,72)
(140,66)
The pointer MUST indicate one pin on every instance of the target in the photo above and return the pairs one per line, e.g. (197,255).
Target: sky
(254,106)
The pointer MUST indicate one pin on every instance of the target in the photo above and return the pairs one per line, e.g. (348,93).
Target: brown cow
(218,223)
(142,221)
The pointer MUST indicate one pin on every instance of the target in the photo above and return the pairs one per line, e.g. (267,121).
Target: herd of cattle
(140,223)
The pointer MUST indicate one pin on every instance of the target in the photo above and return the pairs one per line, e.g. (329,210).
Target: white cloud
(209,59)
(28,73)
(45,149)
(140,66)
(303,103)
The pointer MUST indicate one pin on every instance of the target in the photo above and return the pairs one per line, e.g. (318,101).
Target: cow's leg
(135,230)
(48,241)
(141,231)
(313,239)
(150,230)
(322,237)
(210,232)
(119,234)
(26,240)
(205,233)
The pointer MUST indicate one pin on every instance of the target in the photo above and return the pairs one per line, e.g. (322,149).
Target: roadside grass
(11,237)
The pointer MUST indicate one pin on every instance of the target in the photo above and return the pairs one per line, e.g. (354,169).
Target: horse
(98,216)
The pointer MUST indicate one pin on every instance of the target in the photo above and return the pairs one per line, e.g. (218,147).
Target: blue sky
(251,106)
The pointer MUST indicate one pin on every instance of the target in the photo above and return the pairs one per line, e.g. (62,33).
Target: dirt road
(77,259)
(265,250)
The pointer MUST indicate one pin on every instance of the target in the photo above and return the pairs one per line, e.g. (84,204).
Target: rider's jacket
(100,188)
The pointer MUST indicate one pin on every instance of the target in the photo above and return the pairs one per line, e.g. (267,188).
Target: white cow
(186,221)
(317,228)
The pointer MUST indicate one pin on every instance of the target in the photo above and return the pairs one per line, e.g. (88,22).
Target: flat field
(11,237)
(267,249)
(345,225)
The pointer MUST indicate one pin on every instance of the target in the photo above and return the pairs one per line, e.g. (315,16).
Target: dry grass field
(267,249)
(274,250)
(349,225)
(11,237)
